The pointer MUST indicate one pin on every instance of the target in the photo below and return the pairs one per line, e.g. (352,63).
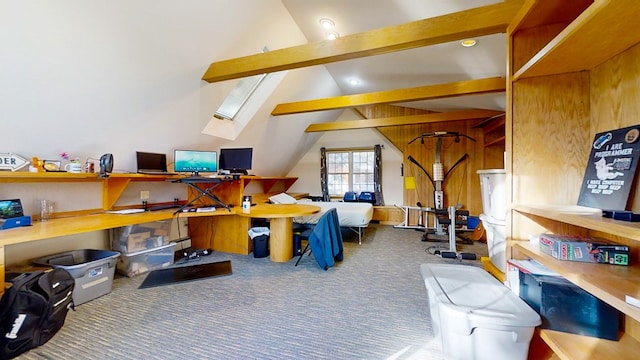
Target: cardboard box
(134,238)
(584,249)
(136,242)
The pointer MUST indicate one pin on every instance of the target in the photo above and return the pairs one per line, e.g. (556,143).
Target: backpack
(33,309)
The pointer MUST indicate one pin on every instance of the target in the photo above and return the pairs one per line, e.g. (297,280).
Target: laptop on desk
(152,163)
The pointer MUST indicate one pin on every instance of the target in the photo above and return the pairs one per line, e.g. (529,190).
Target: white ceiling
(437,64)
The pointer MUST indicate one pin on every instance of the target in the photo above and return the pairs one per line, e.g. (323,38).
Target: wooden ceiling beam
(429,92)
(486,20)
(404,120)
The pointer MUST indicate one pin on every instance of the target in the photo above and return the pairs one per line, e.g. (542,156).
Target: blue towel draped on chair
(325,240)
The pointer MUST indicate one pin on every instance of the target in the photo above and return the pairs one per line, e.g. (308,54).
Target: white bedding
(350,214)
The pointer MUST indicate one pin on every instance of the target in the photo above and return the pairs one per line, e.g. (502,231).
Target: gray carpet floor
(373,305)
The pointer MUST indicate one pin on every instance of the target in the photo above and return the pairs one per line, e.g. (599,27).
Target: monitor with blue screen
(195,161)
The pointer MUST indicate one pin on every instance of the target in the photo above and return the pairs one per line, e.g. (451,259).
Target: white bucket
(495,231)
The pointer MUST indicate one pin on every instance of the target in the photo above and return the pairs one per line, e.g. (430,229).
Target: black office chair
(324,240)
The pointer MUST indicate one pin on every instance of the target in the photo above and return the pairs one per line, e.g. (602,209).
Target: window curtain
(324,185)
(377,174)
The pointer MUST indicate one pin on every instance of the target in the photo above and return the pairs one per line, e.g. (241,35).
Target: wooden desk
(281,225)
(230,236)
(65,226)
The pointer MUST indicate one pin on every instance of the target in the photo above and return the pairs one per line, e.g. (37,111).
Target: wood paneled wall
(462,184)
(550,144)
(557,119)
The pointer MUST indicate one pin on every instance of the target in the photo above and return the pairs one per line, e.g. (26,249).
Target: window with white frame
(350,170)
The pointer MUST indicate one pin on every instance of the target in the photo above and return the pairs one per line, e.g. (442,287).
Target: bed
(353,215)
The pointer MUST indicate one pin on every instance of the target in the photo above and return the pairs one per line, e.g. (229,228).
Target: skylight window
(239,95)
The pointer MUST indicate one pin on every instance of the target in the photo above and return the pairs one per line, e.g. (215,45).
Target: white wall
(91,77)
(308,168)
(115,76)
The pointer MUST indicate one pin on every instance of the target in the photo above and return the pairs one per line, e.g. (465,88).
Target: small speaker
(106,165)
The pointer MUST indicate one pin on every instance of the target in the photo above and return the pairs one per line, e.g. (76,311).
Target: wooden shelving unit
(494,136)
(600,31)
(573,73)
(114,185)
(610,283)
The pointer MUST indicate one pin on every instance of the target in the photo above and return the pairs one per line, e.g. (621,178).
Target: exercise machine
(445,219)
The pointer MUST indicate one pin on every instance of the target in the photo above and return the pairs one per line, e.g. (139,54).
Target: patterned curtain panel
(377,174)
(323,175)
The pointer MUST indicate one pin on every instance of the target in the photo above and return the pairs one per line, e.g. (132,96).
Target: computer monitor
(10,208)
(195,161)
(151,162)
(236,160)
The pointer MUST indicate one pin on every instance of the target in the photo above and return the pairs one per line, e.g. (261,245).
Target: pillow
(282,198)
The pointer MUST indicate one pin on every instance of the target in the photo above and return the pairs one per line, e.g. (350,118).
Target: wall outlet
(144,195)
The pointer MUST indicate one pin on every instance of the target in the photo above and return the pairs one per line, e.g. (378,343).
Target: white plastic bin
(492,187)
(495,232)
(475,316)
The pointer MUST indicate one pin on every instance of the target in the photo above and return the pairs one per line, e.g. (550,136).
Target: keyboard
(162,207)
(126,211)
(199,179)
(156,173)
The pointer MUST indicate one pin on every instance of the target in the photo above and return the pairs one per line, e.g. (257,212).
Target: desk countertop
(86,223)
(64,226)
(279,210)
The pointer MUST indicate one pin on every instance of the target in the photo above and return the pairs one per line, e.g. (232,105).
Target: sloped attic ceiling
(487,61)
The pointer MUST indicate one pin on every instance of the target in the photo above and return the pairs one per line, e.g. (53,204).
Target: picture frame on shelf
(52,165)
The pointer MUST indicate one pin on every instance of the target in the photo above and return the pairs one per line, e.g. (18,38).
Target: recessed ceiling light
(468,42)
(354,81)
(327,23)
(333,35)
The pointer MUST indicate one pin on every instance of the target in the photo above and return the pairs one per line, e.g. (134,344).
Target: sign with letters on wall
(611,169)
(11,161)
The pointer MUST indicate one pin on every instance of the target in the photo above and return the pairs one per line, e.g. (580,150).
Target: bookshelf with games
(573,74)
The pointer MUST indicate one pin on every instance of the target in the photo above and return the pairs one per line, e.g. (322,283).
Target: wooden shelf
(268,182)
(40,230)
(115,184)
(23,176)
(578,347)
(610,283)
(497,141)
(112,186)
(584,217)
(604,29)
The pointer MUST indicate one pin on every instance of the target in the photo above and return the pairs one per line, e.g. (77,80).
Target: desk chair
(324,240)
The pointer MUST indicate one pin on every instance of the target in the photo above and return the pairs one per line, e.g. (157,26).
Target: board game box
(585,249)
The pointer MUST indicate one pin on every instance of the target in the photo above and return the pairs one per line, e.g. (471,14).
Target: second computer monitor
(195,161)
(236,160)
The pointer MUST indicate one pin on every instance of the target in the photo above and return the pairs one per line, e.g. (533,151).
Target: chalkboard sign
(611,169)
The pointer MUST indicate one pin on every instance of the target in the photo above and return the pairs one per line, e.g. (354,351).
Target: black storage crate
(566,307)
